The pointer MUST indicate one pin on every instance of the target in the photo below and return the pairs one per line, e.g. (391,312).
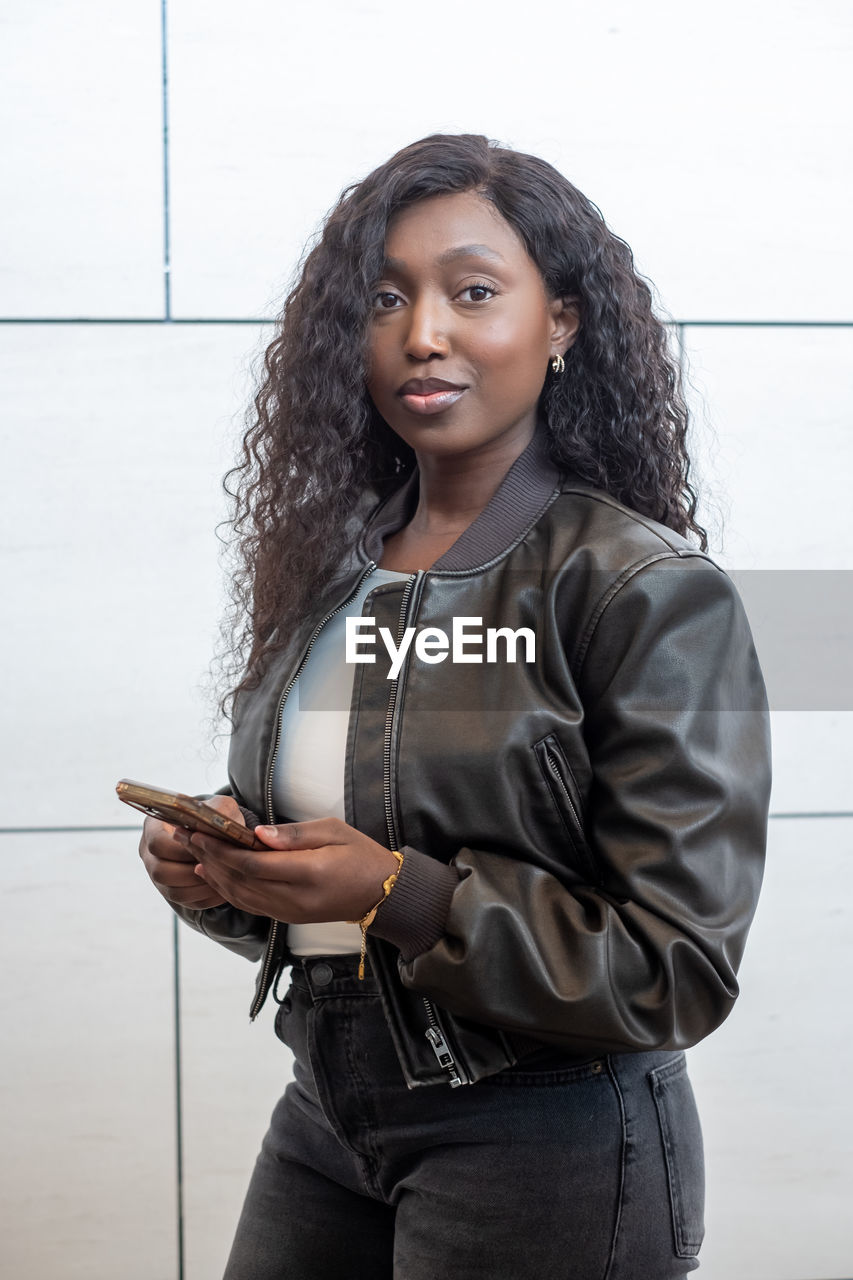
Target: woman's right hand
(170,864)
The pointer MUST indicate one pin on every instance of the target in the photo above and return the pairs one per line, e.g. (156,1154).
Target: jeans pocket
(681,1136)
(547,1073)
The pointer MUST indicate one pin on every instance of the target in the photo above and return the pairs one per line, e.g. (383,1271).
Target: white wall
(710,136)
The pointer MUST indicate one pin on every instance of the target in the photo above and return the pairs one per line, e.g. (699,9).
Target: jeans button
(321,974)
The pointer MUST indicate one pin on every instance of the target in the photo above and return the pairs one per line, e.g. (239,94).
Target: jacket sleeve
(676,726)
(239,931)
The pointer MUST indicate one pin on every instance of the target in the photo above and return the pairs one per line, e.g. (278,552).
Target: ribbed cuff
(413,915)
(252,820)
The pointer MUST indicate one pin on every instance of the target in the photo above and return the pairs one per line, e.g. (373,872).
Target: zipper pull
(441,1049)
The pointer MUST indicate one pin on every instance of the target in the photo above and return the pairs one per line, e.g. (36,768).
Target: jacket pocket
(558,778)
(681,1136)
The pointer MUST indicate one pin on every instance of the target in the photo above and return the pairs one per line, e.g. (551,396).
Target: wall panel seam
(262,320)
(94,829)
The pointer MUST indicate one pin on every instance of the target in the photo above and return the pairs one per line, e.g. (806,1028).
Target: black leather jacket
(584,835)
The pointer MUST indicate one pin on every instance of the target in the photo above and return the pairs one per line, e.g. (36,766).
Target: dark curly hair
(315,446)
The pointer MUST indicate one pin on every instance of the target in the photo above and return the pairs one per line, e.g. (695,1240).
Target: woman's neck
(452,492)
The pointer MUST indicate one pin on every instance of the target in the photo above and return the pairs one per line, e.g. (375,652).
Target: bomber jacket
(584,834)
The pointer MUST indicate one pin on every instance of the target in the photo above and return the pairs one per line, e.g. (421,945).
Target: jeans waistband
(324,976)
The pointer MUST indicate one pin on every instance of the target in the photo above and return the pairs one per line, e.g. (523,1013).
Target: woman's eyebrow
(469,251)
(449,256)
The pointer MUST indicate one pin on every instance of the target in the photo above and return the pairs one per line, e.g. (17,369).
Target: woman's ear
(566,317)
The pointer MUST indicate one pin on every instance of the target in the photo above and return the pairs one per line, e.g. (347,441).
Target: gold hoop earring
(558,364)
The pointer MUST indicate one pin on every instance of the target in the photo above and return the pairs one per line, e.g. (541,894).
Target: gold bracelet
(367,920)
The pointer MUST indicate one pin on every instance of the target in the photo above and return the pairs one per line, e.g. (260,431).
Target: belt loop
(279,971)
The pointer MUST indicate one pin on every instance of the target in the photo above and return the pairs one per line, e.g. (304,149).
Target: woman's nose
(427,331)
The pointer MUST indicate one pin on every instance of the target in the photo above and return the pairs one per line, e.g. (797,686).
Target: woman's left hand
(311,872)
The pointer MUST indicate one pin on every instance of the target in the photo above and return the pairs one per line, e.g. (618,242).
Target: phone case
(184,811)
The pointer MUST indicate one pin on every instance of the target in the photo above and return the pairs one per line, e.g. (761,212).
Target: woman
(503,724)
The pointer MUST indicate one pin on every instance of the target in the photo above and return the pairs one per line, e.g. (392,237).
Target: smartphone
(185,811)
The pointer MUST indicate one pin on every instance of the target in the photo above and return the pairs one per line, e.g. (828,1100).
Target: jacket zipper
(435,1033)
(271,941)
(390,825)
(579,838)
(554,766)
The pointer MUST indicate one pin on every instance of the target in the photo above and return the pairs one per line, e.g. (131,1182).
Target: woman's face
(462,329)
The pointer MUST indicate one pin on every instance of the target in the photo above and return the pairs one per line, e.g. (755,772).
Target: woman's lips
(432,401)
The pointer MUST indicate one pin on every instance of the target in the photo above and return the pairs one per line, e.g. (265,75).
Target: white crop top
(308,775)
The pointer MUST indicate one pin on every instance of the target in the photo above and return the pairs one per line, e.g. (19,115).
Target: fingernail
(267,831)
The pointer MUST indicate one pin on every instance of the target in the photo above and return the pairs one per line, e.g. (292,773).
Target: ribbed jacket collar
(525,491)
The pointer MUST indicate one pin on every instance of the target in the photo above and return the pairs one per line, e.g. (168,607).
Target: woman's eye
(385,301)
(478,292)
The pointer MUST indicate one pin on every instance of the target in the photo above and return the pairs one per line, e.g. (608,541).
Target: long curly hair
(315,447)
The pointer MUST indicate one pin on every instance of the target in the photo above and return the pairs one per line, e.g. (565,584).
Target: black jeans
(590,1172)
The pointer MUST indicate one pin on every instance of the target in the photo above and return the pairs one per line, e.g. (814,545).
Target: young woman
(502,723)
